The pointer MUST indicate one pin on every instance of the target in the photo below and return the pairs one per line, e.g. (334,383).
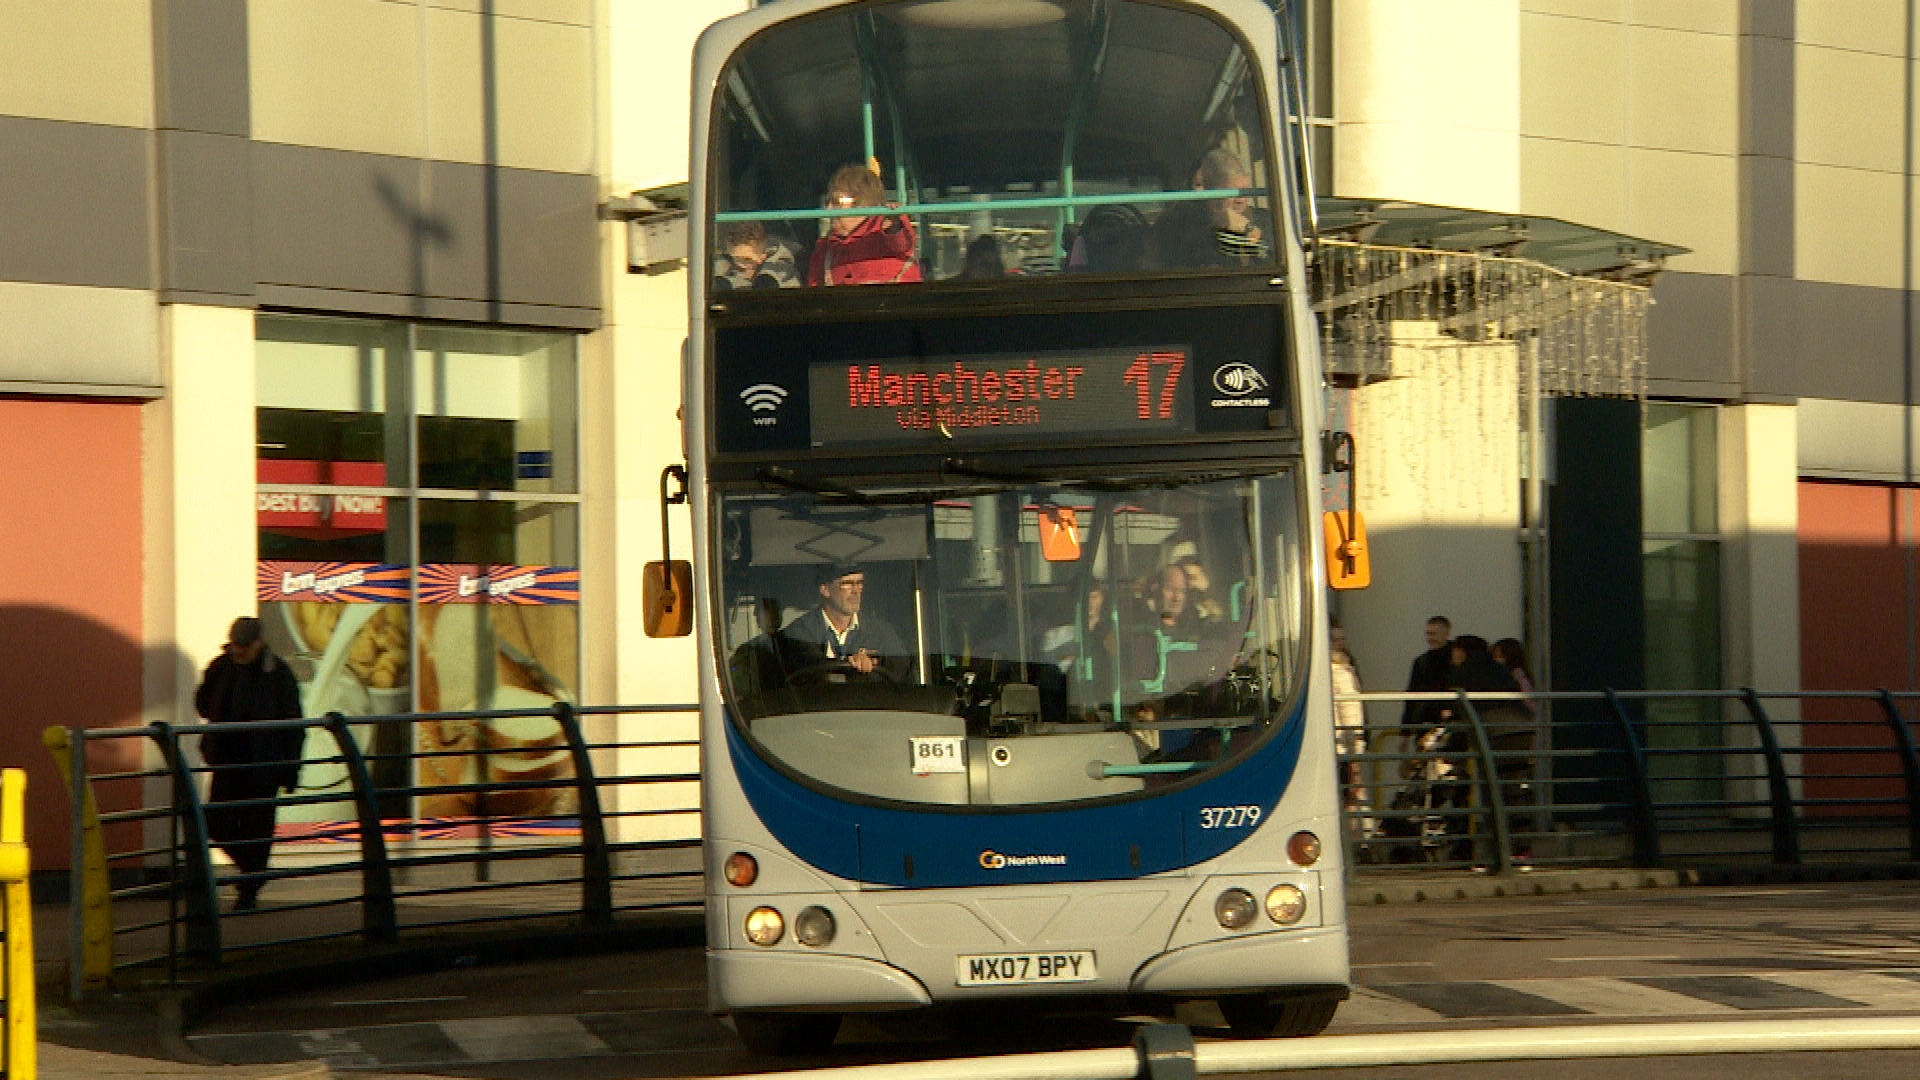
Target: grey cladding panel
(366,224)
(1767,18)
(1690,329)
(200,66)
(206,186)
(1850,342)
(1771,331)
(1766,216)
(549,238)
(336,220)
(1766,96)
(73,204)
(457,259)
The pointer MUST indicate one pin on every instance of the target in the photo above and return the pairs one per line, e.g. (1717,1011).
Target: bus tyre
(1254,1017)
(777,1034)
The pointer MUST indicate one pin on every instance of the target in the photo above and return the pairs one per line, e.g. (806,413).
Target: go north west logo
(993,860)
(1241,386)
(765,400)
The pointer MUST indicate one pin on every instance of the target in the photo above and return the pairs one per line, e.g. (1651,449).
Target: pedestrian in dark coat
(248,682)
(1431,672)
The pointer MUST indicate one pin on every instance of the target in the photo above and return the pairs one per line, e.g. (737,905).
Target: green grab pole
(1151,768)
(1043,202)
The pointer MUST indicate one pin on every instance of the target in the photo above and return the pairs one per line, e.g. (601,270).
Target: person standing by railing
(1349,734)
(247,682)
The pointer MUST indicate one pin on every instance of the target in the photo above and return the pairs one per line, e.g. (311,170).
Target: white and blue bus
(1002,407)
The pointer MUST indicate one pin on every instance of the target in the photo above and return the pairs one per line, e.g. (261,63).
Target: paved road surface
(1833,949)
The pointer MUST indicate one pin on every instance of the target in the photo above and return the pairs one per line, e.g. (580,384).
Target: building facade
(310,309)
(319,309)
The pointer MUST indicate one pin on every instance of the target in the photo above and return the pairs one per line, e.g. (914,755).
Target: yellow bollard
(95,899)
(17,1047)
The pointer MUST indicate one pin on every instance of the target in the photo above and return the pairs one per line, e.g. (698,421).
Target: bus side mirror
(666,597)
(1348,566)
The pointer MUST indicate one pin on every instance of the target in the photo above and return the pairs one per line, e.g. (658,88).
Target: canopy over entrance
(1573,296)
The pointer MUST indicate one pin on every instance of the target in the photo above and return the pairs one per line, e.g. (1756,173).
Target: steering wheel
(823,671)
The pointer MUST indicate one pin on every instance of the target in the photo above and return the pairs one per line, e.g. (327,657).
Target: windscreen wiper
(781,477)
(1011,475)
(1026,477)
(1137,481)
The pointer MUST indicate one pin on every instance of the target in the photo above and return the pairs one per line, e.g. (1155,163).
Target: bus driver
(836,631)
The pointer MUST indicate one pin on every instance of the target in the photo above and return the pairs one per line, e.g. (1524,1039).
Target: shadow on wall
(66,669)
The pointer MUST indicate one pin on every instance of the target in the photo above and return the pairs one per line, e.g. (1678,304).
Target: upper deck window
(1019,139)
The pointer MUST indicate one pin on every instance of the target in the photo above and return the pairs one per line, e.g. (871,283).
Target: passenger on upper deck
(876,250)
(750,260)
(1209,232)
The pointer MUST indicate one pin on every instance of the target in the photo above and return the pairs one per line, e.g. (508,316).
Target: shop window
(1681,567)
(419,551)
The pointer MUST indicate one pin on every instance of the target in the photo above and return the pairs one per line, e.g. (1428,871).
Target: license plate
(1020,969)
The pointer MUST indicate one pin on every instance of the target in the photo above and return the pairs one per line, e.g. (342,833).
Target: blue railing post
(379,922)
(596,862)
(202,892)
(1909,767)
(1490,781)
(1644,827)
(1786,838)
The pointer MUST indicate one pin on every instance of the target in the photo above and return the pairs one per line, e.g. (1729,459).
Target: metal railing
(1499,781)
(437,821)
(17,1034)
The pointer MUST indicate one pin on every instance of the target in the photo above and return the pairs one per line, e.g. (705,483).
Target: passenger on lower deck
(838,632)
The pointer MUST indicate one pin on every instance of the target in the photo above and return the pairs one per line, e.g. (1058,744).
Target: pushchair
(1433,784)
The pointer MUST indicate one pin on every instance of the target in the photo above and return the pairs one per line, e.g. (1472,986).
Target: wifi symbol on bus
(763,397)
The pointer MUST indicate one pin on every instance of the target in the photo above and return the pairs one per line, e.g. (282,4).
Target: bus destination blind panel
(1052,380)
(1147,391)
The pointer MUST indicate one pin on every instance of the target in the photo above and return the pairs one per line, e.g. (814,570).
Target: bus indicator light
(741,870)
(1303,848)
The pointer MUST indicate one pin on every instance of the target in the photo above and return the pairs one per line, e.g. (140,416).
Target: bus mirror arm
(1348,566)
(667,585)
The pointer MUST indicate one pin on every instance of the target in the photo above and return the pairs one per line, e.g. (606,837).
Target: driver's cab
(1130,635)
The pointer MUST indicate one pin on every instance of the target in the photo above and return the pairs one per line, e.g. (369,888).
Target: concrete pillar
(1760,517)
(201,546)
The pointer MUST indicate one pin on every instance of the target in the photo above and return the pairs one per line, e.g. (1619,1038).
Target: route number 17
(1139,375)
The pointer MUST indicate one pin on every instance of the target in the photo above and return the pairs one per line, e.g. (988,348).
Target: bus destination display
(1144,390)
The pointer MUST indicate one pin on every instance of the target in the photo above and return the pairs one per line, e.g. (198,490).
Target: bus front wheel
(772,1034)
(1254,1017)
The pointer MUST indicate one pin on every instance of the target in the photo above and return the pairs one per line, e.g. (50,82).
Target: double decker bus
(1001,405)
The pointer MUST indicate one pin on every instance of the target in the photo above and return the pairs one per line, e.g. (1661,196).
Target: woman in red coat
(862,250)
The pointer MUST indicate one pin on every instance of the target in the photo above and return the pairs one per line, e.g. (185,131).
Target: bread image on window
(470,660)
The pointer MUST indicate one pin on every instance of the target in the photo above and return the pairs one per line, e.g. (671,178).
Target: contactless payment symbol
(1238,379)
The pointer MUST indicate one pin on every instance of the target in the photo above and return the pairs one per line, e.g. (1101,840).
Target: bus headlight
(764,926)
(813,926)
(1303,848)
(1286,904)
(1234,908)
(740,869)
